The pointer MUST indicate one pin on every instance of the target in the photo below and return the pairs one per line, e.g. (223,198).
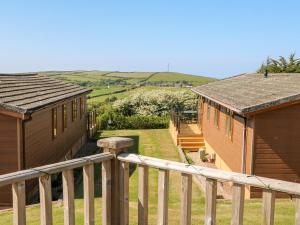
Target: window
(74,109)
(229,124)
(208,110)
(54,123)
(216,115)
(81,107)
(64,116)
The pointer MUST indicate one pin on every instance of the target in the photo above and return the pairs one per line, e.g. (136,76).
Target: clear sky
(214,38)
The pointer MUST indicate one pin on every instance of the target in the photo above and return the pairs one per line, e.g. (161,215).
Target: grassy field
(127,93)
(99,81)
(178,77)
(157,143)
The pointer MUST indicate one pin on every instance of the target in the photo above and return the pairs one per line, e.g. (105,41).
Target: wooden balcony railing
(185,117)
(115,188)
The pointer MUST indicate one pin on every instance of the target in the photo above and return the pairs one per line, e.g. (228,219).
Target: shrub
(158,103)
(115,121)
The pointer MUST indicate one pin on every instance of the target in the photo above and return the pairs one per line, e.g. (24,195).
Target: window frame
(217,115)
(64,117)
(208,107)
(229,123)
(74,109)
(81,107)
(54,123)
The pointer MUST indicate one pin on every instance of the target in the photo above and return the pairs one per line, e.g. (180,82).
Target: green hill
(92,78)
(119,84)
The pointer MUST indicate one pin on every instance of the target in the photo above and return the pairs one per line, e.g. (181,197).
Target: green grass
(138,75)
(129,77)
(99,80)
(158,143)
(100,90)
(179,77)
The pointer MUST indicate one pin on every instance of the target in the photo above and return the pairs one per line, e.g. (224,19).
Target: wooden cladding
(54,123)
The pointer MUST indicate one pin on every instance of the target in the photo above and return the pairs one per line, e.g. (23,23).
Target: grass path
(157,143)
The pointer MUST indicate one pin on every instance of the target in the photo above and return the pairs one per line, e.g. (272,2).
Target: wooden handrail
(22,175)
(238,178)
(115,188)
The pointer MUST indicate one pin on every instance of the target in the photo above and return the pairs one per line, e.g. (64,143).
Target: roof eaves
(278,102)
(238,111)
(30,111)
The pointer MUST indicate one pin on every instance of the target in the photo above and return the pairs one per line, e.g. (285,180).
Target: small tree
(281,65)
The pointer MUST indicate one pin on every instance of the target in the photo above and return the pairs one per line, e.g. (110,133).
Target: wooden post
(297,209)
(115,145)
(163,195)
(124,193)
(88,186)
(186,199)
(45,199)
(210,201)
(19,203)
(268,207)
(143,189)
(68,196)
(106,193)
(238,196)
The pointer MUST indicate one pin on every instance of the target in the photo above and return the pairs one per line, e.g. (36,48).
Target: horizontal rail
(52,168)
(238,178)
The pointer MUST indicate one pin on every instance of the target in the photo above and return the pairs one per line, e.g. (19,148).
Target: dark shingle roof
(26,93)
(249,93)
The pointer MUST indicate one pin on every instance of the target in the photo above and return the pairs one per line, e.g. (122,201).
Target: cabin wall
(228,150)
(9,144)
(277,143)
(42,148)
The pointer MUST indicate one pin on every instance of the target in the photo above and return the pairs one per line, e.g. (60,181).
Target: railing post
(106,192)
(19,213)
(115,145)
(163,196)
(143,195)
(68,196)
(186,199)
(124,193)
(268,207)
(89,194)
(238,196)
(297,209)
(45,199)
(210,201)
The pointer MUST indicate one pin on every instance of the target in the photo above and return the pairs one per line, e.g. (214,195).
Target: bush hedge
(118,122)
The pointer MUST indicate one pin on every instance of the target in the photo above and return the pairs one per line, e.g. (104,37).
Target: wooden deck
(188,137)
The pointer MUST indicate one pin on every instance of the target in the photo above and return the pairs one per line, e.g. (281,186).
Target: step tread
(189,147)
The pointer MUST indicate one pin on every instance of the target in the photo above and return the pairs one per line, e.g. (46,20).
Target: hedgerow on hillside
(155,103)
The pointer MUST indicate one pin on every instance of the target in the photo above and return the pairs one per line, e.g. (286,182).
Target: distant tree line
(289,64)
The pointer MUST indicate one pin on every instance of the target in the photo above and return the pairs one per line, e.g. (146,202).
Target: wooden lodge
(250,124)
(42,121)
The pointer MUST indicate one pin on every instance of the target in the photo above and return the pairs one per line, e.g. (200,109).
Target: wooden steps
(191,142)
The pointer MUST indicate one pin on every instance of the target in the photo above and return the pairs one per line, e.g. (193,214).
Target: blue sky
(214,38)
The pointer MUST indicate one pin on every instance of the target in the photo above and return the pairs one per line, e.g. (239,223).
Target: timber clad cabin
(42,121)
(251,124)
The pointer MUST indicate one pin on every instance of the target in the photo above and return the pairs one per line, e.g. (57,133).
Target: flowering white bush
(158,103)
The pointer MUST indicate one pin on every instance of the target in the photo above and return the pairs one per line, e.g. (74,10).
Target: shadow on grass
(97,172)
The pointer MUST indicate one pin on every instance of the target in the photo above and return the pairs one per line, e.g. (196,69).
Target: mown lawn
(157,143)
